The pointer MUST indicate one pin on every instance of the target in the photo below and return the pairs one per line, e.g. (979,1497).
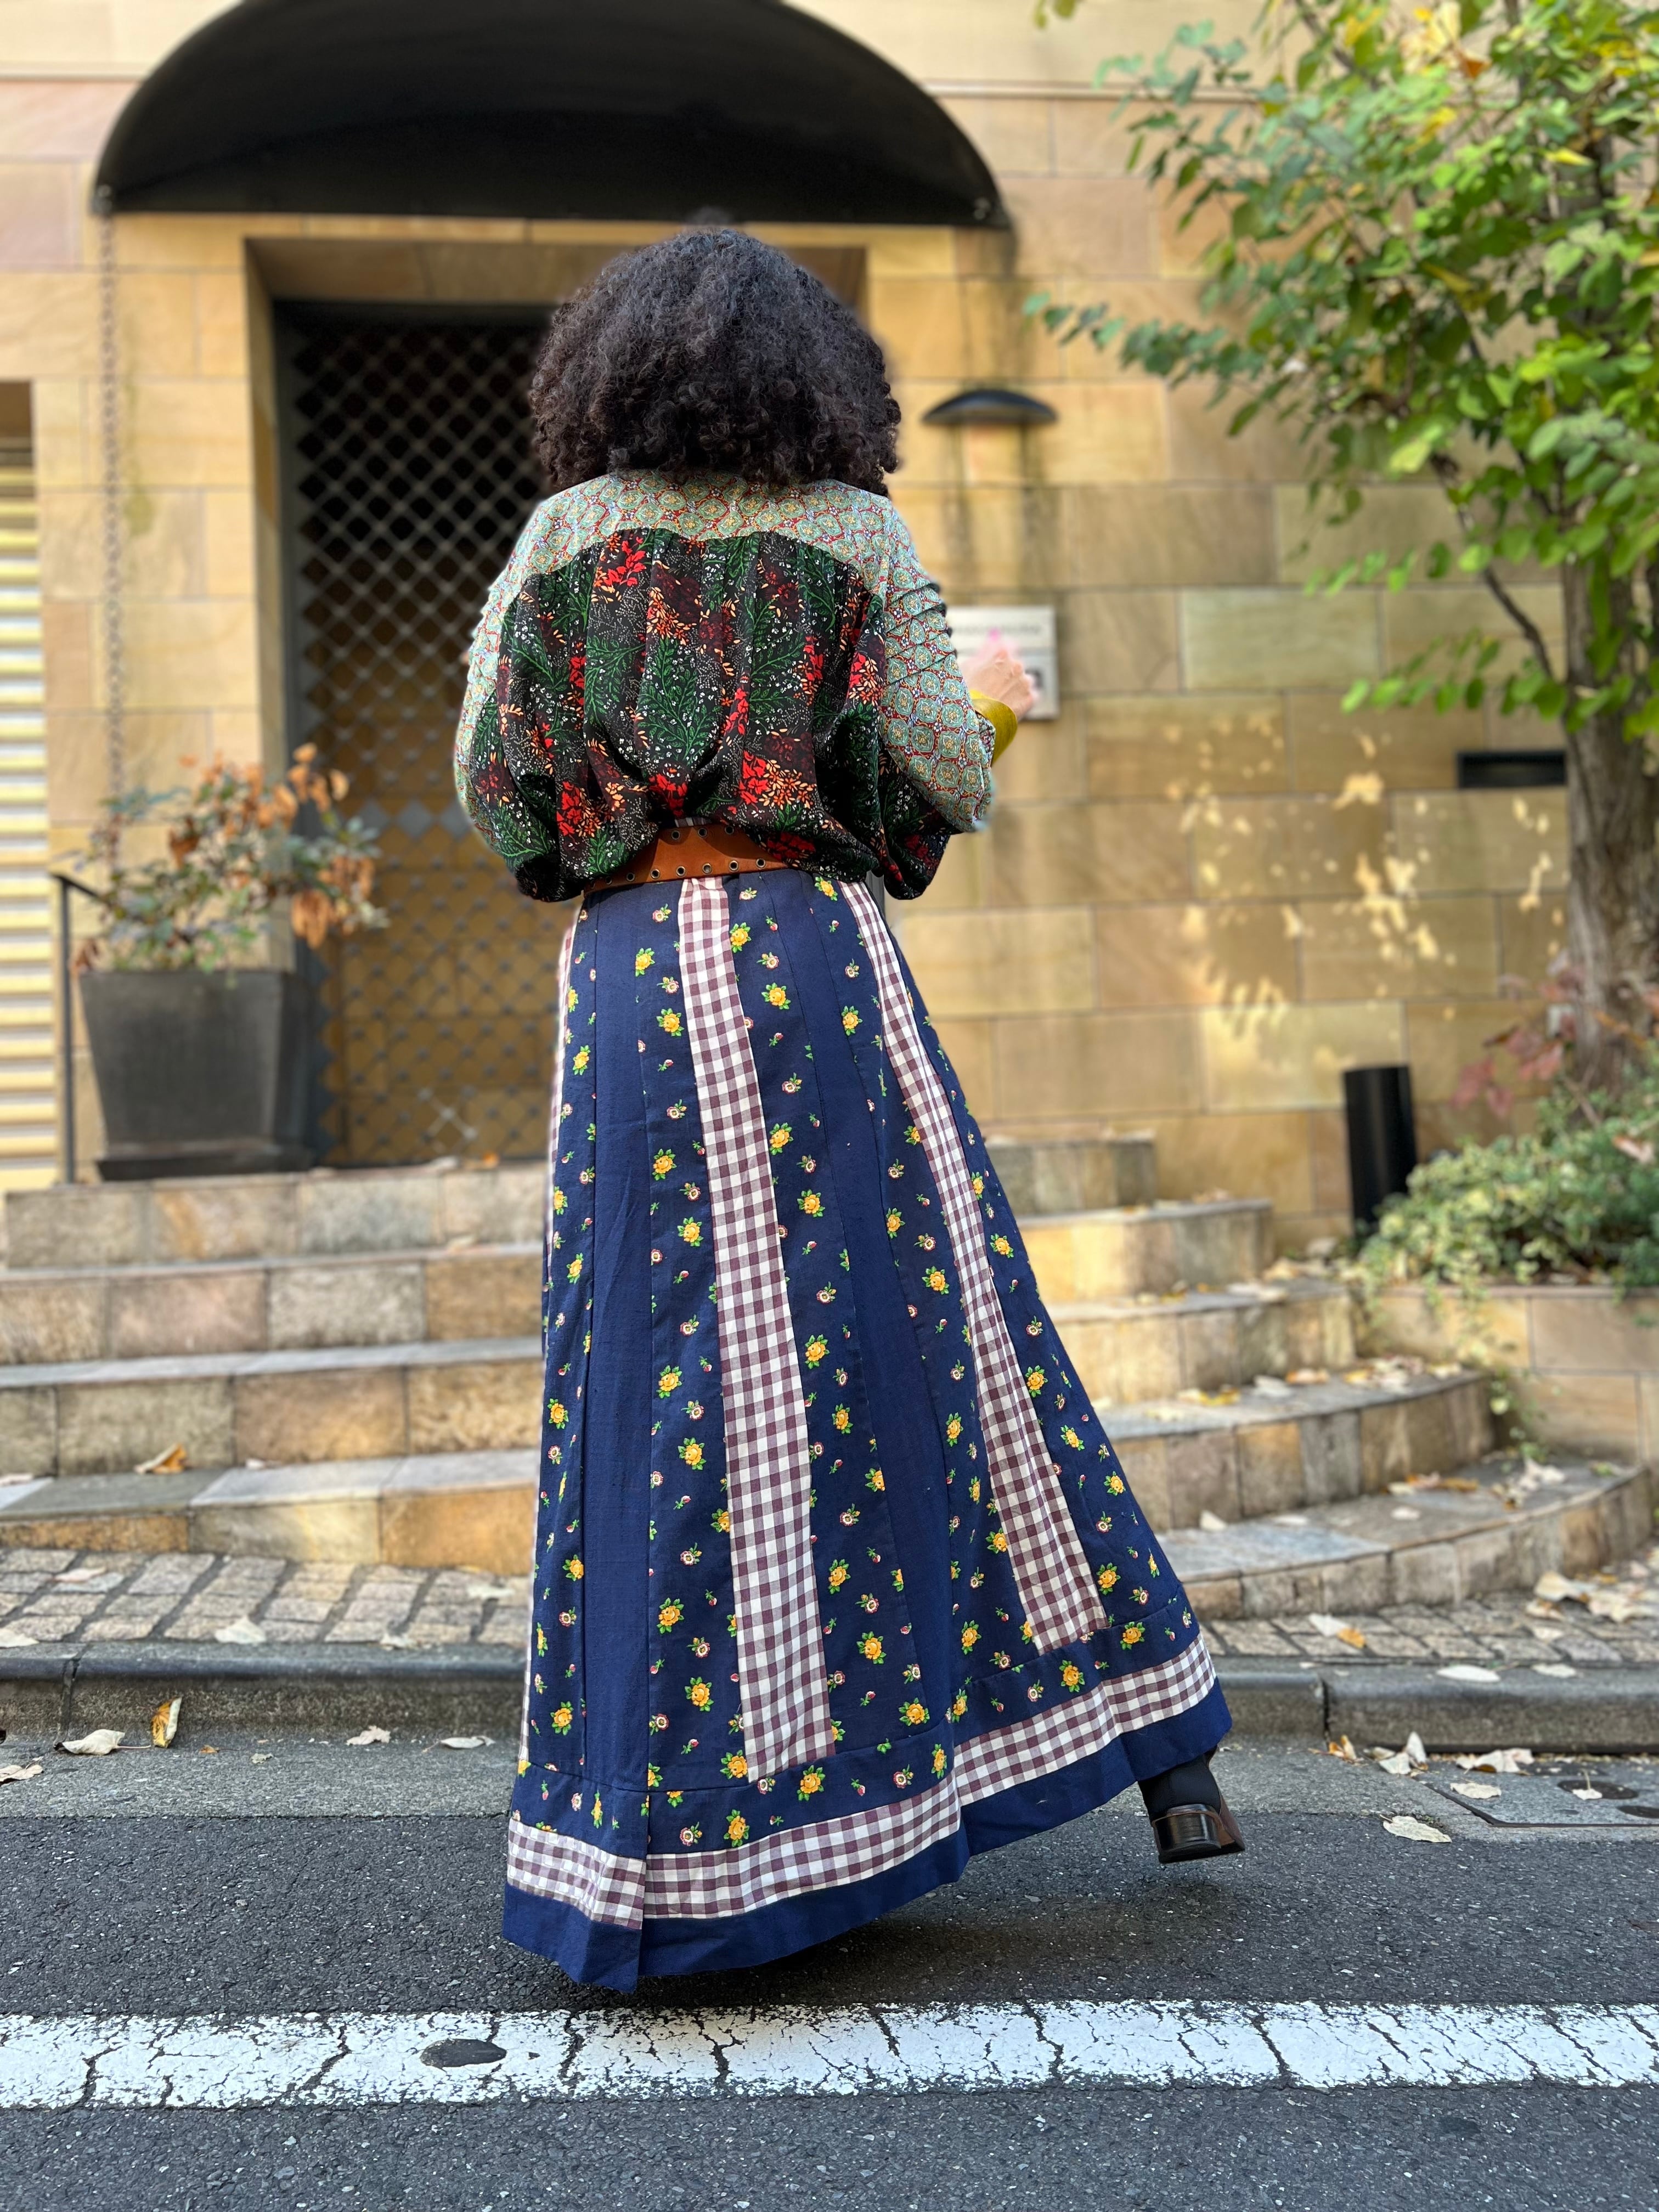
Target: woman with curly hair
(837,1579)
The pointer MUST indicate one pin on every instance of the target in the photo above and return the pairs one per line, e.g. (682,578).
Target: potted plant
(199,1046)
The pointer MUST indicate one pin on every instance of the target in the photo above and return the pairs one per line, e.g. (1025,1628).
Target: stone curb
(327,1692)
(295,1692)
(1609,1708)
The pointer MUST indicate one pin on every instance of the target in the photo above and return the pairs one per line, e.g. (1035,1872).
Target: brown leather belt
(694,849)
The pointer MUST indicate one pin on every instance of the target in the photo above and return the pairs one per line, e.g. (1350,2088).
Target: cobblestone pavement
(53,1597)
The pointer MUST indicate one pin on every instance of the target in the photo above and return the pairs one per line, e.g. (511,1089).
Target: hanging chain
(109,378)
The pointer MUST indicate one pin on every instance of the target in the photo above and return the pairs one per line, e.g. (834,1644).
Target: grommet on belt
(699,848)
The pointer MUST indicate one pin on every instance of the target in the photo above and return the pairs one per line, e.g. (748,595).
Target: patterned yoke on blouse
(838,1580)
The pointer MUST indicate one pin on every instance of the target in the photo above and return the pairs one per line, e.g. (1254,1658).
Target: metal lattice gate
(408,479)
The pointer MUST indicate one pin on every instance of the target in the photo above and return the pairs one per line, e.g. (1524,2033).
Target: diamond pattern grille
(410,477)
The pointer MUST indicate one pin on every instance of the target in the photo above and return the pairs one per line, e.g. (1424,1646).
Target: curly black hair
(710,350)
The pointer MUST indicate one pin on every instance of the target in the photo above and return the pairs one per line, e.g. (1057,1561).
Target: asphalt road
(326,1879)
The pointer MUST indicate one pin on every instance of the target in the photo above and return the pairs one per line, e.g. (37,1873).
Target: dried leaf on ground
(1414,1831)
(1211,1523)
(1342,1748)
(1408,1760)
(1305,1377)
(1590,1796)
(164,1723)
(370,1735)
(173,1461)
(1344,1632)
(1464,1673)
(98,1745)
(20,1773)
(1556,1589)
(466,1742)
(1557,1669)
(1477,1789)
(1270,1386)
(16,1640)
(239,1632)
(1516,1760)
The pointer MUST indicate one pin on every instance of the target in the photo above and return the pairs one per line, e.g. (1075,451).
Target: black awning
(654,110)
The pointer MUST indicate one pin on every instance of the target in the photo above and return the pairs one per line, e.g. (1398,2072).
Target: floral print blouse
(662,650)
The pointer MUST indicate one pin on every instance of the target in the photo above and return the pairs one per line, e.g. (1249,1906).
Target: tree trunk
(1612,898)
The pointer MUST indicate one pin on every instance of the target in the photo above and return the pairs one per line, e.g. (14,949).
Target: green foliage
(1580,1196)
(1438,255)
(236,848)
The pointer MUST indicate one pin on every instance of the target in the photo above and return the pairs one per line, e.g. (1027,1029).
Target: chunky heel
(1196,1832)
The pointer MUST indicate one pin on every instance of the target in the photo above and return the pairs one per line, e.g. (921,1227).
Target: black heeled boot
(1190,1817)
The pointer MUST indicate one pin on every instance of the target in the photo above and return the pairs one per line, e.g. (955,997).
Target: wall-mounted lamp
(989,403)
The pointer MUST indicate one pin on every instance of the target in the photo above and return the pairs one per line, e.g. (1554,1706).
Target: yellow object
(1003,720)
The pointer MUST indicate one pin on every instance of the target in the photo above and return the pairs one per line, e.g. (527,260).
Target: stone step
(1116,1252)
(431,1509)
(273,1216)
(224,1409)
(445,1440)
(1431,1547)
(1162,1342)
(1077,1175)
(55,1315)
(476,1511)
(1242,1455)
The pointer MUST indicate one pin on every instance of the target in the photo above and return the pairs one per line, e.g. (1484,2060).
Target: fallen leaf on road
(1464,1674)
(98,1745)
(20,1773)
(239,1632)
(1327,1624)
(1211,1523)
(164,1724)
(173,1461)
(1405,1513)
(260,1759)
(464,1742)
(1414,1831)
(72,1578)
(1477,1789)
(1343,1749)
(1289,1519)
(390,1642)
(1590,1796)
(1407,1761)
(16,1640)
(370,1735)
(1304,1377)
(1516,1760)
(1557,1668)
(1269,1385)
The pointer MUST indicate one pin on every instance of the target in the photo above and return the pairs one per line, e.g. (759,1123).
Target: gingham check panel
(828,1855)
(780,1675)
(560,1038)
(1005,1757)
(1048,1558)
(710,1885)
(599,1884)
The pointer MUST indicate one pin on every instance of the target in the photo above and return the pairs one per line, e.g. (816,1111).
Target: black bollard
(1381,1138)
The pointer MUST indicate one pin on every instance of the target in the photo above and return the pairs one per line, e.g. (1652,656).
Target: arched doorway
(401,422)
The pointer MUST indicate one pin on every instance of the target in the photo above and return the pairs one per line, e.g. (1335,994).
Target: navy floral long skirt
(837,1579)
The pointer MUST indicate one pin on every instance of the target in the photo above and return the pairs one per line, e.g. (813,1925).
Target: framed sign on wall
(1027,631)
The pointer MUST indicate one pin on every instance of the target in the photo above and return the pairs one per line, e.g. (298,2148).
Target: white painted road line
(345,2059)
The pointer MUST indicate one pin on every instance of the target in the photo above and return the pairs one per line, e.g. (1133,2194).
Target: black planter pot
(197,1073)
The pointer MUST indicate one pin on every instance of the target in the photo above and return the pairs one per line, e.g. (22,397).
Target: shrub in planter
(1577,1198)
(200,1052)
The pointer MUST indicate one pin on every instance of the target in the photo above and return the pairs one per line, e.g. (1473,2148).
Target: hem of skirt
(615,1958)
